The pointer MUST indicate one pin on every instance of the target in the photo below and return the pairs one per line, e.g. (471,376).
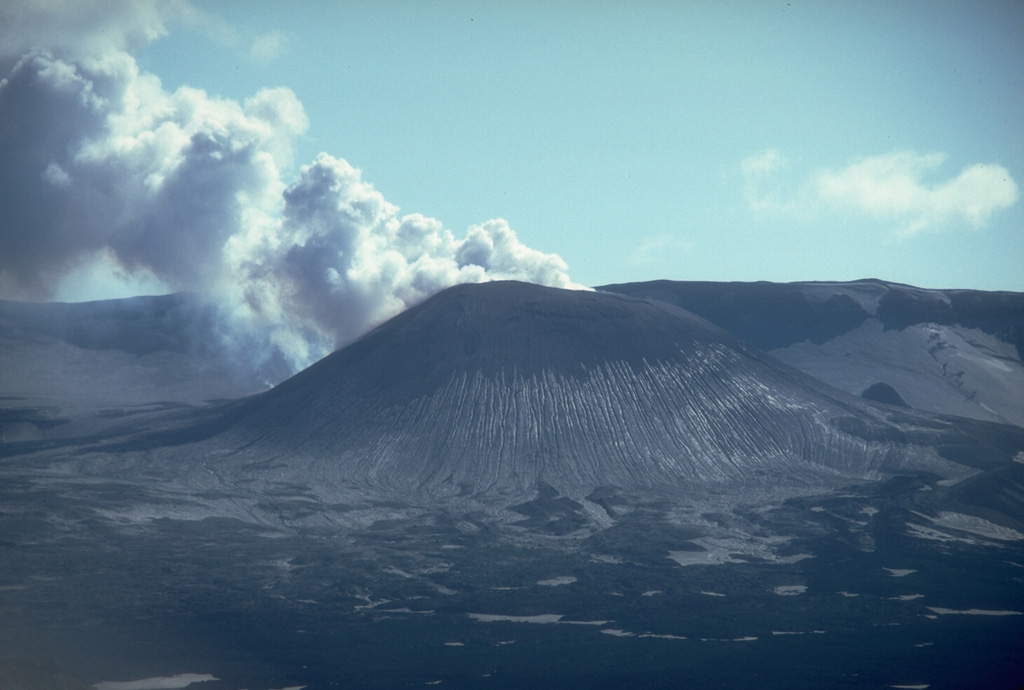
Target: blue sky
(615,134)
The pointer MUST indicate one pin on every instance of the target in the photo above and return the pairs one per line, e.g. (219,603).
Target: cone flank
(496,388)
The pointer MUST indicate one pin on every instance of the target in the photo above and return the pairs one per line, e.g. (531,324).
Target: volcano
(511,486)
(498,388)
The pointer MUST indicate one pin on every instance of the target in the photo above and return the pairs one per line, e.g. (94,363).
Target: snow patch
(973,612)
(659,636)
(615,632)
(924,532)
(159,683)
(542,618)
(733,549)
(404,610)
(947,369)
(790,590)
(370,603)
(685,558)
(975,525)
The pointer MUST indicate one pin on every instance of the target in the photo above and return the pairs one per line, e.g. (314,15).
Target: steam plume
(106,171)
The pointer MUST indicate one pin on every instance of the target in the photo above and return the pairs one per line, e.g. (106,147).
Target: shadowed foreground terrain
(513,486)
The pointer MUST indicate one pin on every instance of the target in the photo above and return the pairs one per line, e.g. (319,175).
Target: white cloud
(657,249)
(896,189)
(267,47)
(766,187)
(891,188)
(160,683)
(258,47)
(79,28)
(764,163)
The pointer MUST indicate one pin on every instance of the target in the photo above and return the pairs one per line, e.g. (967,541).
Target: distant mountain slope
(949,351)
(117,352)
(500,388)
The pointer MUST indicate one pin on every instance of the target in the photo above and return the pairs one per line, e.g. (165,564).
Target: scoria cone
(500,387)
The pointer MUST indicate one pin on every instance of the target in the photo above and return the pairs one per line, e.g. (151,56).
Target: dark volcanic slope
(775,315)
(498,387)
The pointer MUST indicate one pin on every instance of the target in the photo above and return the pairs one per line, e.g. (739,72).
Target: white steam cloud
(890,188)
(107,173)
(80,28)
